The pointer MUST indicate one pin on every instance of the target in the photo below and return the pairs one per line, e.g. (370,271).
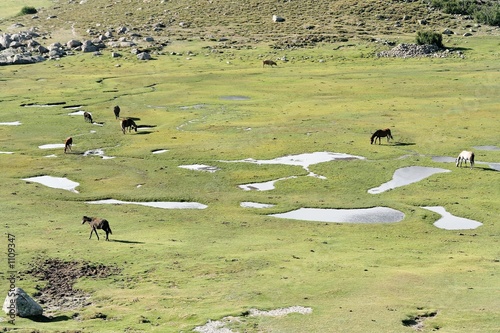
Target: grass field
(181,268)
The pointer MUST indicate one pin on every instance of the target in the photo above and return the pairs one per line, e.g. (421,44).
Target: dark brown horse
(67,144)
(128,123)
(97,223)
(379,134)
(87,116)
(116,111)
(269,63)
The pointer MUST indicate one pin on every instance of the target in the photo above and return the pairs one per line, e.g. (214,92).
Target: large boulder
(20,303)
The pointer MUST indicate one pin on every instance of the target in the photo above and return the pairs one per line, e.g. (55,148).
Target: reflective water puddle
(55,182)
(154,204)
(159,151)
(486,147)
(235,98)
(6,152)
(76,113)
(451,222)
(303,160)
(265,186)
(52,146)
(248,204)
(12,123)
(405,176)
(97,152)
(447,159)
(364,215)
(200,167)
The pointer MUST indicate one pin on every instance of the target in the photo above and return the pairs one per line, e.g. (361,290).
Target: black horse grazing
(379,134)
(88,117)
(128,123)
(116,111)
(97,223)
(67,144)
(269,63)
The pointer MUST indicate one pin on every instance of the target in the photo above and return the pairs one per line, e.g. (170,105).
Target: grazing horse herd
(127,123)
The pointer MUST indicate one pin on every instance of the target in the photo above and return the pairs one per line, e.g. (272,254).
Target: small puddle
(265,186)
(154,204)
(303,160)
(52,146)
(195,107)
(12,123)
(364,215)
(487,148)
(447,159)
(76,113)
(159,151)
(200,167)
(235,98)
(406,176)
(451,222)
(6,152)
(444,159)
(248,204)
(97,152)
(55,182)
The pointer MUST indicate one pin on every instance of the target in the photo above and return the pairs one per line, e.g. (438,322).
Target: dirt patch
(417,322)
(57,293)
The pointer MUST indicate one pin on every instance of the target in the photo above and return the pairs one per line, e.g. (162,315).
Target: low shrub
(429,38)
(28,10)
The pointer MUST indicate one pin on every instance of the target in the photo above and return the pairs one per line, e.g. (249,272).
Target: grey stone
(22,304)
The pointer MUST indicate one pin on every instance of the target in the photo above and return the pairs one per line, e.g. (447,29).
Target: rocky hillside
(92,25)
(247,21)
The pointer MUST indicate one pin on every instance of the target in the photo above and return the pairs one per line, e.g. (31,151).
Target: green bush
(429,38)
(28,10)
(462,7)
(487,12)
(488,15)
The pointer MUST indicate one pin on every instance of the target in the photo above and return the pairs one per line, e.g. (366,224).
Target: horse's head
(86,219)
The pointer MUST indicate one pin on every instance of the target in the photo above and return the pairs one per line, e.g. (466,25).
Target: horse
(97,223)
(116,111)
(128,123)
(87,116)
(379,134)
(269,63)
(464,157)
(67,144)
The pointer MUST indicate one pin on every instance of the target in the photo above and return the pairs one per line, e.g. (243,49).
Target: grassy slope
(180,267)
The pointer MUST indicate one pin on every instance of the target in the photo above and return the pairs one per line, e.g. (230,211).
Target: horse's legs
(94,229)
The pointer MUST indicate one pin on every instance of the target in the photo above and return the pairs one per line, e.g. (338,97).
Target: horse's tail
(471,160)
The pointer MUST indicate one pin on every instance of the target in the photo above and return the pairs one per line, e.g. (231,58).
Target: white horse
(464,157)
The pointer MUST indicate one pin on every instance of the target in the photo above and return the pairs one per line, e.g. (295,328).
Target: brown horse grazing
(379,134)
(269,63)
(67,144)
(464,157)
(87,116)
(97,223)
(128,123)
(116,111)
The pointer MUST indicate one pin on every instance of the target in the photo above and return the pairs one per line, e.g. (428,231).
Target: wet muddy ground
(56,292)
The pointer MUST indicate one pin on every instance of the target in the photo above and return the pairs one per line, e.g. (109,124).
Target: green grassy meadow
(182,268)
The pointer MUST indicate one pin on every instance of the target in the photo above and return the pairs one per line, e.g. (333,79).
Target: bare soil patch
(57,293)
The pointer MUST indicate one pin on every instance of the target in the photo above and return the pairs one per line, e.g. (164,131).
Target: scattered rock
(277,18)
(22,304)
